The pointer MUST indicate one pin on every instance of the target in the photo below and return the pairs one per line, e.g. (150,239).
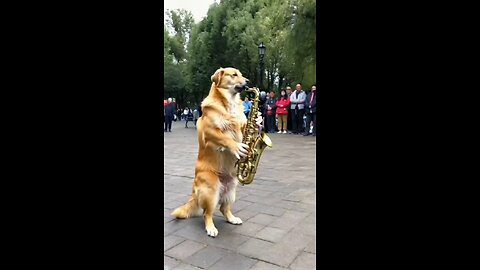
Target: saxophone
(256,140)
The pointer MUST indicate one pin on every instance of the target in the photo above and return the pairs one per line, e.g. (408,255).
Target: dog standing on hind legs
(220,130)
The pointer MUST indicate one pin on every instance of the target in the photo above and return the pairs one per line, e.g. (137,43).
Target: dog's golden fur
(219,146)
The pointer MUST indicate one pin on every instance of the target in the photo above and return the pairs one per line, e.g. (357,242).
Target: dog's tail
(189,209)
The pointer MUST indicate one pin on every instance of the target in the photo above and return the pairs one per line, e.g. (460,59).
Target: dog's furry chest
(232,130)
(230,126)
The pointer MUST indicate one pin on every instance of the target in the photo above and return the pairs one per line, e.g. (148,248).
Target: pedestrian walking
(188,116)
(195,117)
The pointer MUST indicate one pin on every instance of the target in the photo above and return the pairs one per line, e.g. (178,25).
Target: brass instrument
(256,140)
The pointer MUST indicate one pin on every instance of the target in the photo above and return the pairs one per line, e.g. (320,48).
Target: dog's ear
(218,76)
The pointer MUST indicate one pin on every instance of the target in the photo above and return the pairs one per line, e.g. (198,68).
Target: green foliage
(229,36)
(180,22)
(302,40)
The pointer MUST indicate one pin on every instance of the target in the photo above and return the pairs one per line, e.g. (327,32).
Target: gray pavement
(278,209)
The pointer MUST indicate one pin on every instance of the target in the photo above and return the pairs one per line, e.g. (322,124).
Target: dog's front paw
(240,150)
(212,231)
(235,220)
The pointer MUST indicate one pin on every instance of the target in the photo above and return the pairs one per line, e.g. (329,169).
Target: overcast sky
(198,8)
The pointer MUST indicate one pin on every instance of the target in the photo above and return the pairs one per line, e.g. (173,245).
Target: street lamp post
(261,53)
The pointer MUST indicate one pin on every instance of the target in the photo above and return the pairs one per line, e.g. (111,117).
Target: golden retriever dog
(219,147)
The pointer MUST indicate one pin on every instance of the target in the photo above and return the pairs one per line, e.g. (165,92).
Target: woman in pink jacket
(282,111)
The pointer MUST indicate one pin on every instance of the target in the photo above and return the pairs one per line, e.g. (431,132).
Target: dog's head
(230,79)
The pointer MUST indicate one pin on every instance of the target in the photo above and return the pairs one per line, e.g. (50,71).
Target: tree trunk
(250,73)
(272,80)
(268,80)
(280,82)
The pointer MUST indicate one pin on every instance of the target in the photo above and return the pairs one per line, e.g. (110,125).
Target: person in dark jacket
(179,114)
(195,116)
(261,108)
(289,116)
(169,112)
(311,111)
(270,108)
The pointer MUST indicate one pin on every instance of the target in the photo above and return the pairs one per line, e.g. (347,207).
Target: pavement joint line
(298,255)
(262,238)
(173,258)
(175,246)
(184,176)
(258,259)
(177,175)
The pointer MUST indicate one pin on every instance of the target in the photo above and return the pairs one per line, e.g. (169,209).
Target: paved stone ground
(278,209)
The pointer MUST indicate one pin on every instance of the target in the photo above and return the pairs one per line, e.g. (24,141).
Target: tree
(180,23)
(176,34)
(303,28)
(229,36)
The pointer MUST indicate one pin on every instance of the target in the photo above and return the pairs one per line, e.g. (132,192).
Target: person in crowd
(185,113)
(282,111)
(179,114)
(247,105)
(262,108)
(169,112)
(188,116)
(195,117)
(199,108)
(289,115)
(311,110)
(271,106)
(297,101)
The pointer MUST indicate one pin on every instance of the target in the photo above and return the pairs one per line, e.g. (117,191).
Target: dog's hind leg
(225,207)
(208,203)
(208,200)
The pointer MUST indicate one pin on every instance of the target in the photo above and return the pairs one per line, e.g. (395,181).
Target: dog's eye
(234,75)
